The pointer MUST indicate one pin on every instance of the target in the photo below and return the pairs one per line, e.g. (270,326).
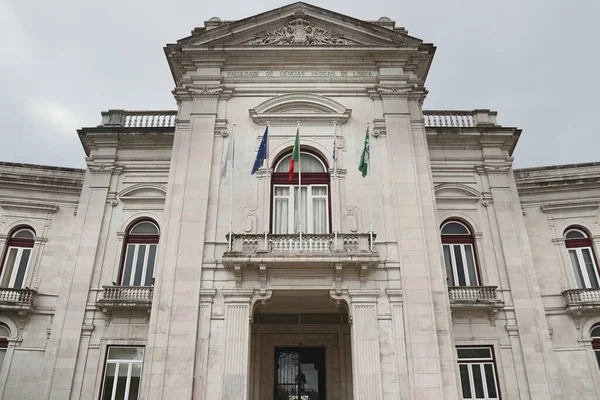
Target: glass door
(300,373)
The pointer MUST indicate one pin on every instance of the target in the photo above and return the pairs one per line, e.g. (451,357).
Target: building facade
(443,273)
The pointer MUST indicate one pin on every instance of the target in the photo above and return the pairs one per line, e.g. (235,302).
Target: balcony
(458,119)
(126,298)
(20,300)
(475,298)
(139,119)
(579,301)
(345,248)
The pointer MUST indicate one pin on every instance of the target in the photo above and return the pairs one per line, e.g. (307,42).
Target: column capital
(363,295)
(206,295)
(237,295)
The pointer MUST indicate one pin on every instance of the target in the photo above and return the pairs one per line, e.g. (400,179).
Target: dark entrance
(300,373)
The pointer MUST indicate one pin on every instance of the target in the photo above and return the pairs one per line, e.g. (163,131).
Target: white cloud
(61,117)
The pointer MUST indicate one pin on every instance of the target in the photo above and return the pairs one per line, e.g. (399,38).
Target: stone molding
(290,108)
(298,32)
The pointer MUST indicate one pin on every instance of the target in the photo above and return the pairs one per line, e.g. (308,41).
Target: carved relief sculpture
(299,32)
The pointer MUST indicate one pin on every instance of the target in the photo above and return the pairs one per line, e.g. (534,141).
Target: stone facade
(376,289)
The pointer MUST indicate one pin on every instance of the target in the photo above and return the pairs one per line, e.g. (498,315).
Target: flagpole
(370,172)
(232,138)
(300,185)
(267,195)
(335,184)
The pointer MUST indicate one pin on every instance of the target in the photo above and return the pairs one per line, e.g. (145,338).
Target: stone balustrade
(474,297)
(139,119)
(458,119)
(582,300)
(21,300)
(126,297)
(256,248)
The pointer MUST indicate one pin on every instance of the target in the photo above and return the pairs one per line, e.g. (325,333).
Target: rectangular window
(138,268)
(123,373)
(477,373)
(460,265)
(309,205)
(15,266)
(584,268)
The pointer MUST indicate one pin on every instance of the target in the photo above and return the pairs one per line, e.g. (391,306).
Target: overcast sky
(536,62)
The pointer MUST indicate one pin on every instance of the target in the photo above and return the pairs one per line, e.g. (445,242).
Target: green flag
(363,166)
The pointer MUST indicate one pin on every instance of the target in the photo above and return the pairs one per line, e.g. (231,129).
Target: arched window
(582,258)
(459,254)
(312,205)
(4,335)
(17,258)
(140,254)
(595,335)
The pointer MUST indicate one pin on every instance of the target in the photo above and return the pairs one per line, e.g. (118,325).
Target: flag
(295,154)
(335,152)
(261,155)
(363,166)
(228,155)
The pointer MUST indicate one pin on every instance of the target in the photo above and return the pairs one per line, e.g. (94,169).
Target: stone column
(536,347)
(236,353)
(201,370)
(170,361)
(366,361)
(399,342)
(65,341)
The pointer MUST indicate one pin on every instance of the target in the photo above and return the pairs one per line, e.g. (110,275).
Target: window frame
(461,240)
(106,362)
(578,245)
(480,361)
(136,240)
(20,245)
(308,179)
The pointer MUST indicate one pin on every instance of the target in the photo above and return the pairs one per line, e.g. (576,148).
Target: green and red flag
(295,155)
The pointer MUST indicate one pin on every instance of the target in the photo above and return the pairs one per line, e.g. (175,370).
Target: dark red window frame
(136,239)
(463,239)
(308,178)
(16,242)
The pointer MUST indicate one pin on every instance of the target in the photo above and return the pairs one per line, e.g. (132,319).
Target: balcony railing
(458,119)
(474,297)
(21,300)
(139,119)
(126,297)
(288,248)
(582,300)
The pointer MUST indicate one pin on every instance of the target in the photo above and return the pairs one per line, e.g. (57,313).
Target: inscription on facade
(308,74)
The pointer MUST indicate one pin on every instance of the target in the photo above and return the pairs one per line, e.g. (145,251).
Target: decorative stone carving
(299,32)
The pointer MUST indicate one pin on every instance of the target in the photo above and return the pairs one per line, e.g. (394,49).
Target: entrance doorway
(300,373)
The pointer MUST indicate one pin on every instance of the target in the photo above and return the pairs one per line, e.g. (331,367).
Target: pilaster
(170,362)
(533,336)
(236,354)
(366,361)
(201,369)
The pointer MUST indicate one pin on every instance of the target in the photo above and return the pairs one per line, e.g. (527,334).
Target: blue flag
(261,155)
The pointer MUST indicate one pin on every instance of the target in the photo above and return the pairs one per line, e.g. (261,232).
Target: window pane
(281,191)
(300,209)
(134,385)
(448,261)
(477,381)
(575,234)
(2,357)
(595,332)
(139,265)
(576,270)
(474,353)
(319,190)
(109,379)
(145,228)
(128,265)
(309,162)
(319,211)
(126,353)
(4,331)
(8,266)
(24,234)
(597,353)
(471,265)
(460,269)
(150,267)
(22,269)
(491,382)
(280,225)
(454,228)
(121,380)
(464,381)
(590,267)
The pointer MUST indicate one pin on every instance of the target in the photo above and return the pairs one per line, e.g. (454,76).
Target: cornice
(571,205)
(29,206)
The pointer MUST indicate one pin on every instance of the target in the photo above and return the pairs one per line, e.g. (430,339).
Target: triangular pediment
(297,24)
